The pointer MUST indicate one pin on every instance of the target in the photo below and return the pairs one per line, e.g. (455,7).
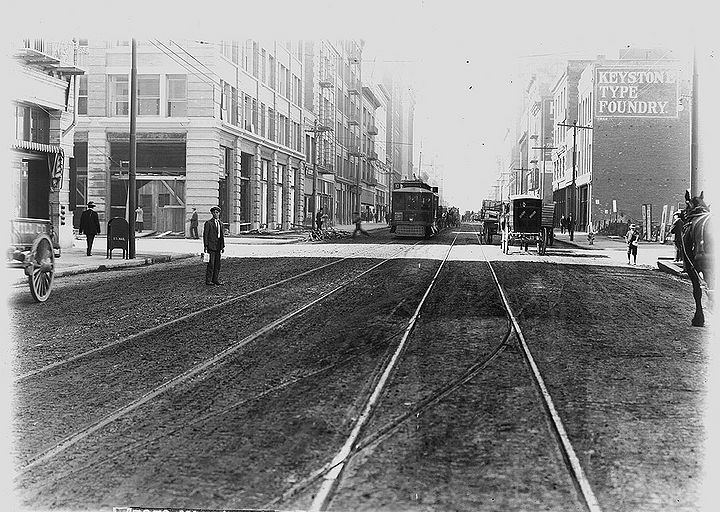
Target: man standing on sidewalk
(139,219)
(676,230)
(90,225)
(214,242)
(194,225)
(571,226)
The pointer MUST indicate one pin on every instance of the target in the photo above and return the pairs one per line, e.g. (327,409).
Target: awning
(35,146)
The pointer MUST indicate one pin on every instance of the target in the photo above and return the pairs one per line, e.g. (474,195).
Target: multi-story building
(565,106)
(44,93)
(635,159)
(218,123)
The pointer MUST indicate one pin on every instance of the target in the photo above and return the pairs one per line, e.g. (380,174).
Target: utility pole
(359,86)
(542,180)
(133,151)
(521,177)
(694,175)
(575,127)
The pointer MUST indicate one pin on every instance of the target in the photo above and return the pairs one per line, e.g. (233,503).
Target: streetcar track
(228,408)
(170,323)
(572,462)
(335,467)
(85,432)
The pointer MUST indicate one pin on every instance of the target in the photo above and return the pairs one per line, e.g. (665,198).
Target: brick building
(637,154)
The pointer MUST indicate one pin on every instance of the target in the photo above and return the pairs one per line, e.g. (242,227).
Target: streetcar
(528,221)
(415,209)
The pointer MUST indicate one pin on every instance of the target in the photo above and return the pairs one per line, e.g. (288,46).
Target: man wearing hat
(677,229)
(214,242)
(90,225)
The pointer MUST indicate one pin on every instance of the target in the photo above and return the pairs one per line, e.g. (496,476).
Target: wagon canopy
(525,214)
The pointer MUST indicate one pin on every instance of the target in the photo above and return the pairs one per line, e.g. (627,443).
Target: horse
(697,249)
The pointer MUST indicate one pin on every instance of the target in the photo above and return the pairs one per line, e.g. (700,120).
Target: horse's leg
(699,318)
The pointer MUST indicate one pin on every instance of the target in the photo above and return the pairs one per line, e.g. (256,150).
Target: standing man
(632,238)
(139,219)
(319,219)
(194,225)
(570,226)
(214,242)
(677,229)
(90,225)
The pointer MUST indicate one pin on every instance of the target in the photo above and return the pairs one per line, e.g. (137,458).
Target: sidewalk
(74,260)
(603,242)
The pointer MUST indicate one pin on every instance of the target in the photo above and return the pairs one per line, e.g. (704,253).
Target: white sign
(614,206)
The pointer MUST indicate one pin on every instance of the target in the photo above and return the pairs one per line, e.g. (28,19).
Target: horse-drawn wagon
(32,249)
(490,218)
(527,220)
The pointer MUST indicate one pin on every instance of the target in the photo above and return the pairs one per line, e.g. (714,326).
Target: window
(225,101)
(263,63)
(271,124)
(254,115)
(247,55)
(119,95)
(33,124)
(82,94)
(273,81)
(256,59)
(248,113)
(177,95)
(263,120)
(148,95)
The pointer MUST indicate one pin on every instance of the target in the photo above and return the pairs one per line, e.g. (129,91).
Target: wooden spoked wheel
(41,268)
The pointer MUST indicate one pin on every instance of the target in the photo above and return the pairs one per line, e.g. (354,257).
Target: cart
(490,218)
(32,249)
(527,220)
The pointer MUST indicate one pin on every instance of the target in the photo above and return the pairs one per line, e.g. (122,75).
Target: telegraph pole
(694,175)
(133,151)
(542,181)
(357,178)
(575,127)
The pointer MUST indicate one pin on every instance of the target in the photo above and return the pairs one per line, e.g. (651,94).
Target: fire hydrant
(591,237)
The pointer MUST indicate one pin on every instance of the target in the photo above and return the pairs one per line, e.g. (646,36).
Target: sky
(461,57)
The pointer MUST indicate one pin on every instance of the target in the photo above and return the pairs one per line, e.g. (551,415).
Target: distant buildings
(627,123)
(259,128)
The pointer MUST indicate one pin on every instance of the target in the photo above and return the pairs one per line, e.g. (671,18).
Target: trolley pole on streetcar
(575,127)
(133,151)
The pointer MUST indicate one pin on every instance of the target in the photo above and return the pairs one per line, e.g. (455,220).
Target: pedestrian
(632,238)
(194,224)
(139,219)
(358,226)
(570,225)
(319,219)
(677,229)
(90,225)
(562,224)
(387,218)
(214,243)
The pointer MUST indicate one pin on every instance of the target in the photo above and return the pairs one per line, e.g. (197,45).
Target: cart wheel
(41,268)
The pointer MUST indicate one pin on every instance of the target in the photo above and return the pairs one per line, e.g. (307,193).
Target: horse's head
(694,204)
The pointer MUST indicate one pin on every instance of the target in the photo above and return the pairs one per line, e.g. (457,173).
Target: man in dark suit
(214,242)
(90,225)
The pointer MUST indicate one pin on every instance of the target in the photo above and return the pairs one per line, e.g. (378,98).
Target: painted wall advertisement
(636,92)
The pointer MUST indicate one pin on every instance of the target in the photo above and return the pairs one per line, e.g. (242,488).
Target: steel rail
(170,323)
(83,433)
(572,462)
(324,495)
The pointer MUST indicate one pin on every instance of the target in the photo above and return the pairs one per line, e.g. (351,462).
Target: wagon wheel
(41,268)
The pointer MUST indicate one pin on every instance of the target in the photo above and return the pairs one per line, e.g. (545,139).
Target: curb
(138,262)
(669,267)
